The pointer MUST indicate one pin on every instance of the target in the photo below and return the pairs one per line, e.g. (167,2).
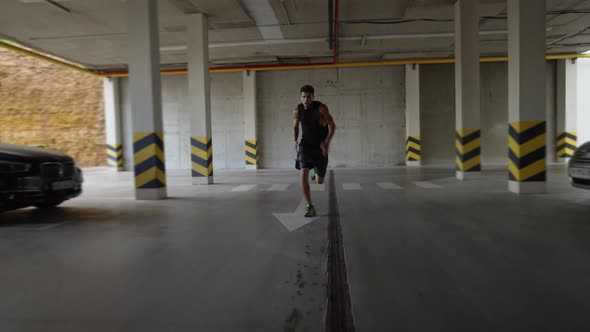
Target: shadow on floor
(41,217)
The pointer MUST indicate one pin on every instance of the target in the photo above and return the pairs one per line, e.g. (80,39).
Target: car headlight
(11,167)
(584,148)
(80,176)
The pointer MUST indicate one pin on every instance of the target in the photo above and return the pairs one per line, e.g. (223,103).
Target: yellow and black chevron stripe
(526,142)
(202,156)
(251,152)
(150,171)
(115,155)
(413,148)
(566,144)
(468,150)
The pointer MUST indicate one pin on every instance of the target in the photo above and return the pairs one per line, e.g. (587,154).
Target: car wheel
(50,203)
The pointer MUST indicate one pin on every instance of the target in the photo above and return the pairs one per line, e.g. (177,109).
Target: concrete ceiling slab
(94,32)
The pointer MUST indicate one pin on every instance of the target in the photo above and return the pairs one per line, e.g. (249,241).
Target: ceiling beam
(571,30)
(185,6)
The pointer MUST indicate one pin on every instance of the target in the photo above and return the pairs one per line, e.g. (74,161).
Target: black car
(579,167)
(31,176)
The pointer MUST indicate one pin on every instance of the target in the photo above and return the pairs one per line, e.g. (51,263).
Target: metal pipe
(336,16)
(348,65)
(58,6)
(279,66)
(331,23)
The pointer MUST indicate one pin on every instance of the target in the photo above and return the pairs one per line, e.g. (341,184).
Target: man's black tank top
(313,133)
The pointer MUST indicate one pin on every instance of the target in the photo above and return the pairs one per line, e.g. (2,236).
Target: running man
(312,151)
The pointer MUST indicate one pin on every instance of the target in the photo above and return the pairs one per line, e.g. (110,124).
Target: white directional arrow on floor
(295,220)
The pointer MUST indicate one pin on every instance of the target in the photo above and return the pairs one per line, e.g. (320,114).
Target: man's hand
(327,118)
(296,146)
(325,146)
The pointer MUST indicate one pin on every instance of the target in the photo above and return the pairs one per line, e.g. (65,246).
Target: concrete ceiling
(94,32)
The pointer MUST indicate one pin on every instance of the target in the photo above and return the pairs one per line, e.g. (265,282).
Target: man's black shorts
(312,157)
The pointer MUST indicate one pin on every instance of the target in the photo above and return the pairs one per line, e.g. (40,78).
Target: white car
(578,167)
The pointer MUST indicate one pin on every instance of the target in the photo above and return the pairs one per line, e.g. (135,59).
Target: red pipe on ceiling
(335,31)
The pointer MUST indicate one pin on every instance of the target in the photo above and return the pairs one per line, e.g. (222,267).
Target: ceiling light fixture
(244,60)
(175,48)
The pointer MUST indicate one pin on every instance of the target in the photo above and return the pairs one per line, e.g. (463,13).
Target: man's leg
(321,169)
(309,209)
(320,179)
(304,179)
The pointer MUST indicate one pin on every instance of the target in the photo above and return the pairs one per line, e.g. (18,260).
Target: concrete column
(413,140)
(567,109)
(551,114)
(467,117)
(526,96)
(112,110)
(199,99)
(251,144)
(146,99)
(583,100)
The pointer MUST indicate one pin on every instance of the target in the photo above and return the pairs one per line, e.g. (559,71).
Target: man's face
(306,98)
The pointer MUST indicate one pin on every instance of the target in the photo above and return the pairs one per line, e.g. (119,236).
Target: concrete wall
(367,105)
(494,113)
(551,110)
(226,117)
(437,114)
(437,118)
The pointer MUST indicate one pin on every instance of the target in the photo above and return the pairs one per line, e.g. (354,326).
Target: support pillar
(251,144)
(467,85)
(146,99)
(112,110)
(526,96)
(567,109)
(413,139)
(199,99)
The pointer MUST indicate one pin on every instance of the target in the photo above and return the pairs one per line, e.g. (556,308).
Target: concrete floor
(424,253)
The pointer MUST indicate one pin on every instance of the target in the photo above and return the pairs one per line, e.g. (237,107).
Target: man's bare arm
(327,117)
(295,128)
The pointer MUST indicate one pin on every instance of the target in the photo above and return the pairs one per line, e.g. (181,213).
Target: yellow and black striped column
(413,149)
(251,150)
(115,155)
(527,151)
(566,144)
(468,150)
(202,159)
(150,170)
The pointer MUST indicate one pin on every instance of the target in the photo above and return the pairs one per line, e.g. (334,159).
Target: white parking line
(388,185)
(244,187)
(279,187)
(352,186)
(427,185)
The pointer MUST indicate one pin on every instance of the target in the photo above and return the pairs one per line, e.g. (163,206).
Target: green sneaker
(310,211)
(312,174)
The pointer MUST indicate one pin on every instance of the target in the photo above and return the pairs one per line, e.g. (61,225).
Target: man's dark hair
(307,88)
